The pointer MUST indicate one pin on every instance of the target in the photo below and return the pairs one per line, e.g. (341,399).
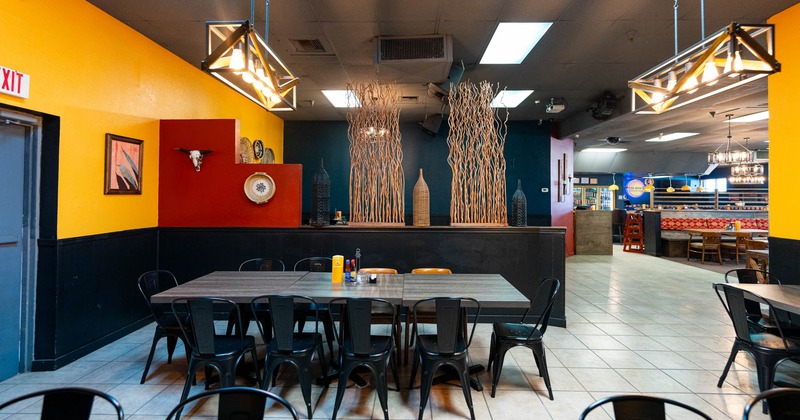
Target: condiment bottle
(353,269)
(347,270)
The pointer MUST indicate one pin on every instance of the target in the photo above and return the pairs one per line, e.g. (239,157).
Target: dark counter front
(523,255)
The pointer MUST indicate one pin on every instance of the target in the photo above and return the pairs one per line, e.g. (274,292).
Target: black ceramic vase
(519,207)
(320,198)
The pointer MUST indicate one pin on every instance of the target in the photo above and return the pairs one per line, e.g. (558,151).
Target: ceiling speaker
(432,123)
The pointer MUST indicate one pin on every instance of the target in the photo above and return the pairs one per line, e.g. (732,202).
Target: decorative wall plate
(259,187)
(258,149)
(246,150)
(269,156)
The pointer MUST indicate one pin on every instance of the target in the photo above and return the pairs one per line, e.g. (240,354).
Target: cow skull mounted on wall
(196,156)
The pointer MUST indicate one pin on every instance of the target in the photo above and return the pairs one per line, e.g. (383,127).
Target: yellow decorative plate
(259,187)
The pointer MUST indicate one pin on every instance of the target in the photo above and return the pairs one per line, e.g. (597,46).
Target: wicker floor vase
(519,207)
(422,202)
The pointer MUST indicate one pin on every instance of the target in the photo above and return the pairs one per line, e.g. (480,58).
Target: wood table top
(320,287)
(238,286)
(491,290)
(781,296)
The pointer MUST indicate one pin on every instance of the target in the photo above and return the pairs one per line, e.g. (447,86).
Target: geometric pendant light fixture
(241,59)
(731,57)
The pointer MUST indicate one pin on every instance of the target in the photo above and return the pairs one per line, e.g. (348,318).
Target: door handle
(8,240)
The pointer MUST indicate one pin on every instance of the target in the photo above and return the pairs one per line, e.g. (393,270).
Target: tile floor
(636,324)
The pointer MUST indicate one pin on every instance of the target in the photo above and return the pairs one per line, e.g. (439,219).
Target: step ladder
(633,238)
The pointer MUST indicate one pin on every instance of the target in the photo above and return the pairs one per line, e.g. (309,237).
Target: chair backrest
(356,322)
(431,270)
(754,244)
(314,264)
(377,270)
(281,310)
(640,406)
(751,276)
(153,282)
(262,264)
(550,286)
(784,403)
(237,403)
(72,403)
(711,238)
(449,317)
(734,303)
(201,334)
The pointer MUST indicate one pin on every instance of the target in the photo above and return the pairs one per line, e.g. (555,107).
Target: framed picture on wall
(123,174)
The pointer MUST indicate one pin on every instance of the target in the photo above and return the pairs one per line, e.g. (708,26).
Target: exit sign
(14,83)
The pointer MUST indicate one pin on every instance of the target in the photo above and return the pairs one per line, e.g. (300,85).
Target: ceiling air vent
(308,46)
(424,59)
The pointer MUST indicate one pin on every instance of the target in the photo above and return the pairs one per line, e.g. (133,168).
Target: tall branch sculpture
(376,171)
(476,140)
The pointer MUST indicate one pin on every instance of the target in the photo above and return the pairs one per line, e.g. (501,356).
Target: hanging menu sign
(14,83)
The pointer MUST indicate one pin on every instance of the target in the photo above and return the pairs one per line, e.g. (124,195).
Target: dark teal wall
(527,152)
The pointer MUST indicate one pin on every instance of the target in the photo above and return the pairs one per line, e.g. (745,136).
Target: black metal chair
(359,347)
(766,348)
(506,335)
(253,264)
(150,283)
(222,352)
(784,403)
(318,265)
(758,321)
(262,264)
(447,346)
(641,407)
(68,403)
(237,403)
(285,345)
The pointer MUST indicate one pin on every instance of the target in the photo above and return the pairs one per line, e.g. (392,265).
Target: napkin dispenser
(337,269)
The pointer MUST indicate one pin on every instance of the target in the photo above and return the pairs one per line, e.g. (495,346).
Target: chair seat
(516,331)
(226,345)
(430,344)
(301,342)
(771,341)
(700,245)
(378,346)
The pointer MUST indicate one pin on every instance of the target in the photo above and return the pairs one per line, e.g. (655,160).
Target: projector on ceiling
(554,108)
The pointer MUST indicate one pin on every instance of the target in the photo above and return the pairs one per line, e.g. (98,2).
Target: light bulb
(710,73)
(738,64)
(672,80)
(691,84)
(237,59)
(657,95)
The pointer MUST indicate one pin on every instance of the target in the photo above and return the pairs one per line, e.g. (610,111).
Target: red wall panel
(561,211)
(215,195)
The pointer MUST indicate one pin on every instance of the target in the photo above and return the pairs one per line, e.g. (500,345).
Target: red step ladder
(633,238)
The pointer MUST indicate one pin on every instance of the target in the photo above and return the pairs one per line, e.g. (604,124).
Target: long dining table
(781,296)
(491,290)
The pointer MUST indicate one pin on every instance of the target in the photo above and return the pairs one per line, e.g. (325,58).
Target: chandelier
(747,173)
(241,59)
(728,156)
(731,57)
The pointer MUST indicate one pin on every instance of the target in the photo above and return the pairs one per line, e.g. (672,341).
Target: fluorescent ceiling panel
(673,136)
(758,116)
(603,150)
(512,41)
(342,98)
(510,98)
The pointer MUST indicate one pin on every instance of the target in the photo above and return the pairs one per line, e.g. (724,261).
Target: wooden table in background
(758,259)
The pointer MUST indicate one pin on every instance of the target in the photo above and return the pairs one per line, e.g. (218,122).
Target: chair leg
(381,387)
(172,340)
(408,339)
(425,389)
(149,359)
(492,350)
(327,324)
(541,362)
(344,373)
(734,351)
(305,386)
(254,355)
(465,386)
(414,365)
(498,367)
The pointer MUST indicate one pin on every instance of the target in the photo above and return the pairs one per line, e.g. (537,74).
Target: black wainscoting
(783,261)
(521,255)
(86,293)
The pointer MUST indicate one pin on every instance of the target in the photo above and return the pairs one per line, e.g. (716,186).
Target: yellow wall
(100,76)
(784,201)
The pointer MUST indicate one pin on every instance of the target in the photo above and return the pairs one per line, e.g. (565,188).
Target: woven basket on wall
(422,202)
(320,198)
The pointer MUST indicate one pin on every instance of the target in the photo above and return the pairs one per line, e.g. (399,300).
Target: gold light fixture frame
(262,77)
(743,52)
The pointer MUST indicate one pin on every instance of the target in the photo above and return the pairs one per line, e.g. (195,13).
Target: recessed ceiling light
(509,98)
(758,116)
(670,137)
(342,98)
(512,41)
(603,150)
